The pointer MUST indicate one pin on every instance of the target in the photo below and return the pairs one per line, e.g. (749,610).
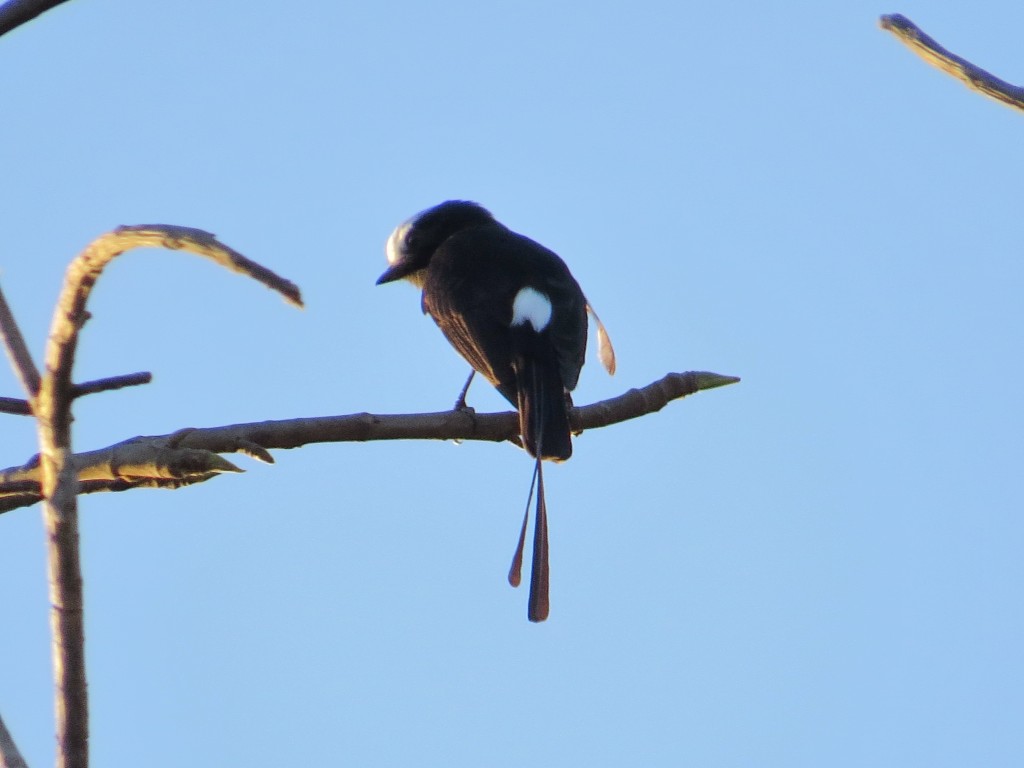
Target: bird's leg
(460,404)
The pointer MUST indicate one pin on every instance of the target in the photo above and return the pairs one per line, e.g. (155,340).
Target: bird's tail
(544,426)
(543,406)
(540,574)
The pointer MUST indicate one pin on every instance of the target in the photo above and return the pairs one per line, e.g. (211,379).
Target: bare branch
(189,456)
(10,757)
(201,243)
(971,75)
(17,407)
(60,475)
(649,399)
(17,12)
(111,383)
(17,352)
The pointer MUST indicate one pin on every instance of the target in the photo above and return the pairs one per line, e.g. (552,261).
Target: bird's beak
(395,272)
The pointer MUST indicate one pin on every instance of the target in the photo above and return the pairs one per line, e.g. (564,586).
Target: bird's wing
(470,289)
(472,313)
(469,333)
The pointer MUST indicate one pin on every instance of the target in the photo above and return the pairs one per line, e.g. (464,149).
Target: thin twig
(10,757)
(111,383)
(52,408)
(18,407)
(17,351)
(970,74)
(157,462)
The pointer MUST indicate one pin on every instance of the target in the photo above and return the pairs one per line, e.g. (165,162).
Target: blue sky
(818,566)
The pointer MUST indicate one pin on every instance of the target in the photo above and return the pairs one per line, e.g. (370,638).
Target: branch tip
(255,451)
(219,464)
(707,380)
(894,21)
(111,383)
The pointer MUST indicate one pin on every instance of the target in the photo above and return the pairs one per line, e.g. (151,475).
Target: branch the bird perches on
(190,455)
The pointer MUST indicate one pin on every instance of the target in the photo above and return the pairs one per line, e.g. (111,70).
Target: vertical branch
(52,407)
(67,615)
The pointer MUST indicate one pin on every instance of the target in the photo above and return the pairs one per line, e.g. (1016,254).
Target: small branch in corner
(969,74)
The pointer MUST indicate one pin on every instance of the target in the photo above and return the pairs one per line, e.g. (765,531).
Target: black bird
(513,310)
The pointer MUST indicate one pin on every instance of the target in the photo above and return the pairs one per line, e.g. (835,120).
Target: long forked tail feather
(539,603)
(540,572)
(515,573)
(544,425)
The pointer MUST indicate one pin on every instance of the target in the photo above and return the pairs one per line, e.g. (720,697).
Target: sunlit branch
(971,75)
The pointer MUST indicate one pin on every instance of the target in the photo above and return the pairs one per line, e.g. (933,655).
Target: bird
(515,313)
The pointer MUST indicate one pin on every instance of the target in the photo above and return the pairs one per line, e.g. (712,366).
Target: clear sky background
(820,566)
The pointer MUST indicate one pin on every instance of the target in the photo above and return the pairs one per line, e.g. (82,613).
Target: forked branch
(50,398)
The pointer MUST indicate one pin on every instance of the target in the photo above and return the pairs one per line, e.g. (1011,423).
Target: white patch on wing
(533,307)
(394,246)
